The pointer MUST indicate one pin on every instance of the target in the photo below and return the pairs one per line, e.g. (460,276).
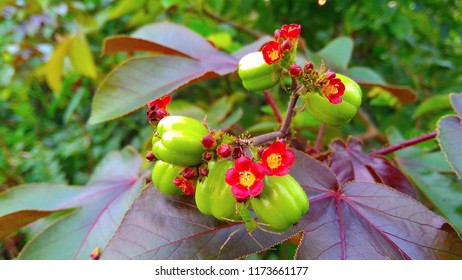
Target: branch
(372,130)
(273,105)
(283,132)
(404,144)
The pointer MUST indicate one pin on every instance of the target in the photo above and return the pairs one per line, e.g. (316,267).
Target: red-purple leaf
(139,80)
(350,163)
(363,220)
(253,47)
(100,208)
(129,44)
(24,204)
(170,227)
(178,37)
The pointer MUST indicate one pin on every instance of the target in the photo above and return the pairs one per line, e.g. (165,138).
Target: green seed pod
(256,74)
(213,195)
(281,203)
(336,114)
(163,174)
(178,141)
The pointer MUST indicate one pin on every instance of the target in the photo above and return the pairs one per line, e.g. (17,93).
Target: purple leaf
(364,220)
(170,227)
(100,207)
(350,163)
(139,80)
(24,204)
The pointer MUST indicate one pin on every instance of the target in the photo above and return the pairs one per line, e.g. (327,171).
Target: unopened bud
(224,151)
(189,173)
(286,46)
(150,156)
(295,70)
(208,142)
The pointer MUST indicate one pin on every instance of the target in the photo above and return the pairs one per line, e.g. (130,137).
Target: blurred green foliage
(43,133)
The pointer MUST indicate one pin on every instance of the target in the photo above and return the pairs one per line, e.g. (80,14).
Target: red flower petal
(232,176)
(271,52)
(243,164)
(241,194)
(256,189)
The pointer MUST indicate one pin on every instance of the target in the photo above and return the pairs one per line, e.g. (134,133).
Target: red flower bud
(224,151)
(286,46)
(207,156)
(150,156)
(329,75)
(203,170)
(309,66)
(295,70)
(237,152)
(189,173)
(208,142)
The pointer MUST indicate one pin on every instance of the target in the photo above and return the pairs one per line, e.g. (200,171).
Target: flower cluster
(157,109)
(282,45)
(282,50)
(246,176)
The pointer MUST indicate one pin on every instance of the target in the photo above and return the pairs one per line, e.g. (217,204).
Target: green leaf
(24,204)
(431,104)
(102,203)
(337,53)
(450,139)
(425,170)
(364,74)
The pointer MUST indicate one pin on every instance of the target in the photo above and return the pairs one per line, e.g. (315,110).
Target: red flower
(293,31)
(333,90)
(290,31)
(277,159)
(271,52)
(245,179)
(186,186)
(157,109)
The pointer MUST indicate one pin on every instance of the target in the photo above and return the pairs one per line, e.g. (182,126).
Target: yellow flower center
(246,178)
(274,161)
(332,89)
(274,54)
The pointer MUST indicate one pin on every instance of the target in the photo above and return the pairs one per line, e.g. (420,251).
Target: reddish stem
(404,144)
(269,98)
(318,144)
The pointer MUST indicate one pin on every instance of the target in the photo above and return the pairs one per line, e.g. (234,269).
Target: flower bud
(295,70)
(189,173)
(207,156)
(150,156)
(286,46)
(208,142)
(224,151)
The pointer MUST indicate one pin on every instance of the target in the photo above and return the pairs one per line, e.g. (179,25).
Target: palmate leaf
(187,58)
(365,220)
(355,220)
(349,163)
(99,208)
